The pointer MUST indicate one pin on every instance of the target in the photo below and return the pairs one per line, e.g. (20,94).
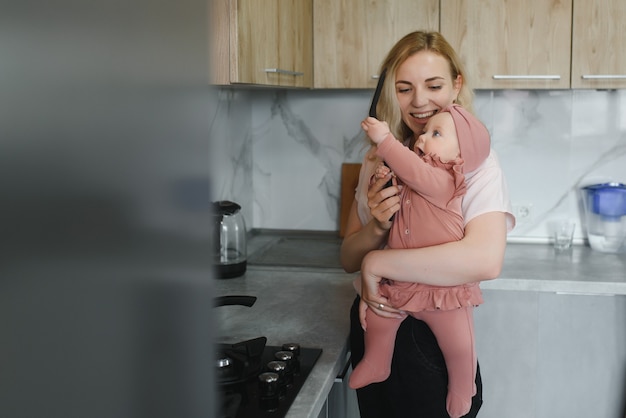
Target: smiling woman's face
(423,87)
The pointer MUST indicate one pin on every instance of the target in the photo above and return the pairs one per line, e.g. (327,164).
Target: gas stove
(256,380)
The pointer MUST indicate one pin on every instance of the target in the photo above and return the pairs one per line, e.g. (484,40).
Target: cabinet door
(507,346)
(270,42)
(599,36)
(295,42)
(512,44)
(352,37)
(219,42)
(581,364)
(543,354)
(253,41)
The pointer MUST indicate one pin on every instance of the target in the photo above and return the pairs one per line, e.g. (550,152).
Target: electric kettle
(229,240)
(605,216)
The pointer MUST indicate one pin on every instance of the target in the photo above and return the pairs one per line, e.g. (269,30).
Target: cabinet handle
(342,374)
(526,77)
(280,71)
(585,294)
(375,77)
(603,77)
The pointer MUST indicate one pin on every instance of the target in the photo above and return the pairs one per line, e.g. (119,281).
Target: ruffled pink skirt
(417,297)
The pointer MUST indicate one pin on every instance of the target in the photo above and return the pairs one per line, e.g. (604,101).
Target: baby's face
(439,138)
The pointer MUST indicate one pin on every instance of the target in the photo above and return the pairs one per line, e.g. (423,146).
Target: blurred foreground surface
(105,280)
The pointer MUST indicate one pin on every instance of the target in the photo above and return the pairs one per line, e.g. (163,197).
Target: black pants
(418,384)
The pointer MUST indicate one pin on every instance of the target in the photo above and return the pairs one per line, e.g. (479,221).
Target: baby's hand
(375,129)
(381,170)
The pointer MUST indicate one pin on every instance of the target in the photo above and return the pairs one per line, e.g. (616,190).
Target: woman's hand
(371,298)
(359,238)
(383,201)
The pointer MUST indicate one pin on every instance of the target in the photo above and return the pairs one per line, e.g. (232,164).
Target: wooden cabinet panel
(219,42)
(599,36)
(253,41)
(535,44)
(270,42)
(295,41)
(512,44)
(352,37)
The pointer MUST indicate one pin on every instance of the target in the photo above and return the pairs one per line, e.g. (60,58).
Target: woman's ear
(458,83)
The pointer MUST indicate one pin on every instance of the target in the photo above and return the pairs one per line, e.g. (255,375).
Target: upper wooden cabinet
(270,42)
(352,37)
(219,42)
(328,44)
(512,44)
(599,37)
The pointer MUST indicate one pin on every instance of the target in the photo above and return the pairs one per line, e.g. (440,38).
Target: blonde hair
(387,108)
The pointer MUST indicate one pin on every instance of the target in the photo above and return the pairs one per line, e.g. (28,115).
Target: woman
(424,75)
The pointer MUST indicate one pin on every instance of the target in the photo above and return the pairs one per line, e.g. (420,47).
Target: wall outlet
(523,212)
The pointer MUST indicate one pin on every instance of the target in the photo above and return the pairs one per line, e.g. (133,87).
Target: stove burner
(238,382)
(239,362)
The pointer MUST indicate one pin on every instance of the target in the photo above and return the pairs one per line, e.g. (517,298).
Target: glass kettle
(229,239)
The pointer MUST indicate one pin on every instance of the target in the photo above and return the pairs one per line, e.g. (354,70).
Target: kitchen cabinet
(513,44)
(262,42)
(341,401)
(507,348)
(599,36)
(352,37)
(583,357)
(547,354)
(328,44)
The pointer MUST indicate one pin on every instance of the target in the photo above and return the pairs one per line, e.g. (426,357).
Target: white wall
(279,152)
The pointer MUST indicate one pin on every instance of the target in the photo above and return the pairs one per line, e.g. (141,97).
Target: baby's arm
(375,129)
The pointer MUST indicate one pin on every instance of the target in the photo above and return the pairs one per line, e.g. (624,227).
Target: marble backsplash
(279,152)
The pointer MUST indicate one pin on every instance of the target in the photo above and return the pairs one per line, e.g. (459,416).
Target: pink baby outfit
(430,211)
(430,214)
(427,218)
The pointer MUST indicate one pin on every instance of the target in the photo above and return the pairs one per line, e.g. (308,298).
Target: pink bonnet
(474,140)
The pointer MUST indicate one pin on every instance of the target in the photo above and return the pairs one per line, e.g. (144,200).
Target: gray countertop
(526,266)
(580,270)
(304,296)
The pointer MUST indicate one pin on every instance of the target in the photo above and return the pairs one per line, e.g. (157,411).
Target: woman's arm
(476,257)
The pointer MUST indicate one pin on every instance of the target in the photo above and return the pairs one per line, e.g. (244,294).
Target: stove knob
(295,349)
(287,357)
(268,391)
(225,368)
(279,367)
(224,362)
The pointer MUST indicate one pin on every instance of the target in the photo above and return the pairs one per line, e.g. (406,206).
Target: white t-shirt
(487,190)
